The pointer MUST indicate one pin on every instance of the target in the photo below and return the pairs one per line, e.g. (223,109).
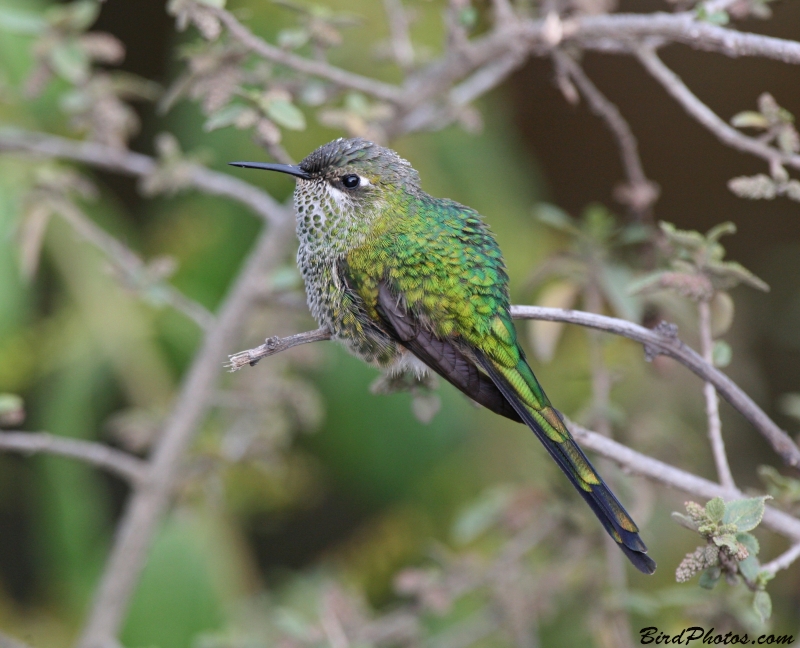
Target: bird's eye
(351,181)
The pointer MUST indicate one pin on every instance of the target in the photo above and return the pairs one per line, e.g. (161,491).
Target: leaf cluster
(698,269)
(776,125)
(730,549)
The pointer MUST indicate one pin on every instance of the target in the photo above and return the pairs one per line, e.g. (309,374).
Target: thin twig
(118,462)
(319,69)
(784,561)
(274,345)
(712,402)
(137,164)
(130,264)
(640,193)
(664,341)
(640,464)
(707,117)
(147,505)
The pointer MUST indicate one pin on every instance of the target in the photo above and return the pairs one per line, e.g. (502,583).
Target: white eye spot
(363,182)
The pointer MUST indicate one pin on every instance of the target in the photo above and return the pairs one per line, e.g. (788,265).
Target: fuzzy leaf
(779,486)
(736,272)
(750,119)
(481,514)
(721,354)
(749,541)
(722,310)
(746,514)
(727,540)
(749,567)
(21,22)
(225,117)
(70,62)
(12,409)
(710,577)
(715,509)
(762,604)
(684,521)
(555,217)
(286,114)
(76,16)
(615,279)
(757,187)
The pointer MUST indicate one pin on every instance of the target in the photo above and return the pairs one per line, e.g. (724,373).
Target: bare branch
(664,340)
(118,462)
(784,561)
(130,264)
(402,47)
(640,193)
(712,403)
(274,345)
(137,164)
(615,32)
(640,464)
(319,69)
(148,504)
(661,341)
(702,113)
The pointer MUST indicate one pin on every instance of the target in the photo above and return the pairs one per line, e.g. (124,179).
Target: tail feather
(549,427)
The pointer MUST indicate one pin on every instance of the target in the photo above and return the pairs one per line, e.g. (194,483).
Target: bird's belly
(333,308)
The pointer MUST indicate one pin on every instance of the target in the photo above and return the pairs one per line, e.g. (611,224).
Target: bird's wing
(441,355)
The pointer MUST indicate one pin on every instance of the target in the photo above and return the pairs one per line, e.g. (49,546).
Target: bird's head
(352,175)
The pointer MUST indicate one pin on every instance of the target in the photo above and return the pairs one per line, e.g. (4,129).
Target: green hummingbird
(412,283)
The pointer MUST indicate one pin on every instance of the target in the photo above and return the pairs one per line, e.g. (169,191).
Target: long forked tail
(523,392)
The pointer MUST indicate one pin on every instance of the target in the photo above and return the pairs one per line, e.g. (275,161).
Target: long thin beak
(291,169)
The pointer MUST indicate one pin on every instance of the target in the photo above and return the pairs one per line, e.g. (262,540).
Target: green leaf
(224,117)
(762,604)
(710,577)
(749,568)
(746,514)
(750,119)
(684,521)
(722,311)
(727,540)
(749,541)
(286,114)
(780,486)
(718,231)
(715,509)
(721,354)
(615,279)
(21,22)
(555,217)
(480,515)
(77,16)
(12,409)
(789,404)
(70,62)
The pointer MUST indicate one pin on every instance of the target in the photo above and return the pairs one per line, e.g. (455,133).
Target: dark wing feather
(441,355)
(599,497)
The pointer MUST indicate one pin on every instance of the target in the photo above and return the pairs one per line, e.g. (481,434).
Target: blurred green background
(351,486)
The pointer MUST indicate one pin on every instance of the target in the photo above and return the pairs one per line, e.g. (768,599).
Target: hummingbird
(411,284)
